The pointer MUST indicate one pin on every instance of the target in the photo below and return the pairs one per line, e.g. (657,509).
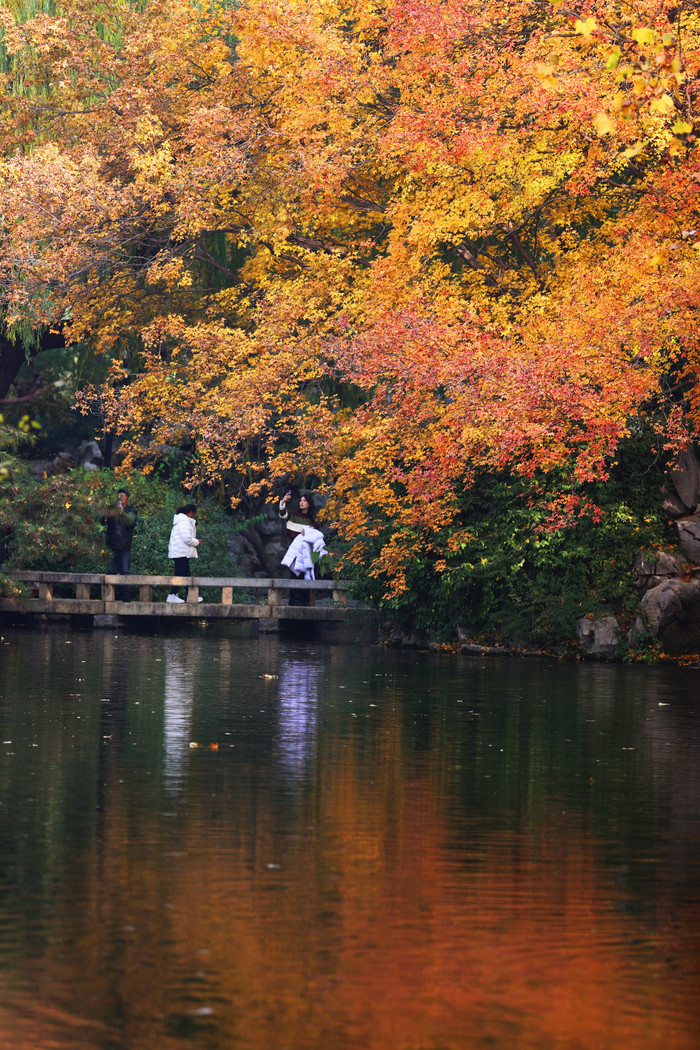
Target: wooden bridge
(75,594)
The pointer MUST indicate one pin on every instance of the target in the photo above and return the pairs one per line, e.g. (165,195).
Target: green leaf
(613,60)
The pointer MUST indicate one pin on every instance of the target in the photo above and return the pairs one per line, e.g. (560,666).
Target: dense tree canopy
(384,244)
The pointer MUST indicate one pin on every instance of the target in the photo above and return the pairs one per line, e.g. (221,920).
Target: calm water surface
(262,844)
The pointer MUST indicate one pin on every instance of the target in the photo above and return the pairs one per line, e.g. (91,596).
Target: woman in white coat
(307,546)
(183,544)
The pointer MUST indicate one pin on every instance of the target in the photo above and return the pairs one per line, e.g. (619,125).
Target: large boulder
(685,476)
(89,456)
(672,613)
(673,505)
(598,637)
(650,572)
(60,464)
(244,554)
(689,537)
(274,552)
(258,556)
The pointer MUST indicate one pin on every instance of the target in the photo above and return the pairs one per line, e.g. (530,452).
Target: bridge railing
(47,591)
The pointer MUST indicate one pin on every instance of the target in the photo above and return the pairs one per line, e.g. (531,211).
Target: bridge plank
(237,582)
(187,611)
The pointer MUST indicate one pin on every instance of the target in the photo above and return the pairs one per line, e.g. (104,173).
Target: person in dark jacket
(120,522)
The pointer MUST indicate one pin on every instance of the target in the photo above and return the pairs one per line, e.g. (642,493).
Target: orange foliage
(482,218)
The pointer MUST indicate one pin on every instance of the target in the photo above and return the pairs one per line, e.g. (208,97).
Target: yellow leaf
(603,124)
(545,77)
(586,28)
(643,36)
(622,103)
(663,105)
(682,127)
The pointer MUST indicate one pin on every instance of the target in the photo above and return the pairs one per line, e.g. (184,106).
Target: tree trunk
(12,357)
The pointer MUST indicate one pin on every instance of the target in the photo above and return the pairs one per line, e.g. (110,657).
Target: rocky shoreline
(668,583)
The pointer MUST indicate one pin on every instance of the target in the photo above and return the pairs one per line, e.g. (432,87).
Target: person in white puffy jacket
(183,544)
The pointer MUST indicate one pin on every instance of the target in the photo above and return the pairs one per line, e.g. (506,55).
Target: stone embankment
(669,583)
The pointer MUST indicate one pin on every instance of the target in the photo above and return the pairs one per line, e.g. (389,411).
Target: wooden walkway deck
(93,594)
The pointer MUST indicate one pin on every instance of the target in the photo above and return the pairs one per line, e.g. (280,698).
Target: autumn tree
(387,245)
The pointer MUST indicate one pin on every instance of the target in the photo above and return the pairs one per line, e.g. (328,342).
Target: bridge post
(274,596)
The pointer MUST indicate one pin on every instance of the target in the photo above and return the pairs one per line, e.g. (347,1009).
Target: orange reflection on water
(373,928)
(360,908)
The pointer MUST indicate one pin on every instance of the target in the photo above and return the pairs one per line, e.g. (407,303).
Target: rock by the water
(672,612)
(637,634)
(598,637)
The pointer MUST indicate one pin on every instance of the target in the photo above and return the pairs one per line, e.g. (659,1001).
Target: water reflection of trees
(444,880)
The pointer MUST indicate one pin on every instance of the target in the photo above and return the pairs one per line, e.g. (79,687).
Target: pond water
(239,844)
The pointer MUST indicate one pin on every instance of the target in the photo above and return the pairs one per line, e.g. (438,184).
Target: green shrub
(53,524)
(510,578)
